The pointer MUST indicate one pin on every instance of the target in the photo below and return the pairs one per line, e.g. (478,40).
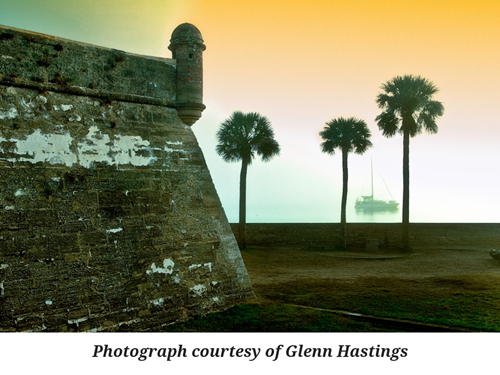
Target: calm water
(318,215)
(420,212)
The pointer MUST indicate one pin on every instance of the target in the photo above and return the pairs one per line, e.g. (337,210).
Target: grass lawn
(273,318)
(458,289)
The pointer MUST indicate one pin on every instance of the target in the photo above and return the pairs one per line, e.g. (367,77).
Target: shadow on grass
(471,307)
(273,318)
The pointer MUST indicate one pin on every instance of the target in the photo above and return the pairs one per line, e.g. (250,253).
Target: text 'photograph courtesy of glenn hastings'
(297,353)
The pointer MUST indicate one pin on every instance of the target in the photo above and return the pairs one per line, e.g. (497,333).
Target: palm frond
(243,135)
(346,134)
(407,104)
(388,123)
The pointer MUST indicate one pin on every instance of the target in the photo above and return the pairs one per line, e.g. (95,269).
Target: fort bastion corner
(109,219)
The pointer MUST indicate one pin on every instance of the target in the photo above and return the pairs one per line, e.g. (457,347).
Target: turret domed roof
(186,33)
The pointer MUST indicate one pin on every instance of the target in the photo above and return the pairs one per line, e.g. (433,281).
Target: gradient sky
(302,63)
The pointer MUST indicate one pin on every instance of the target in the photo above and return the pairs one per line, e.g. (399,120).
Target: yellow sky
(303,63)
(345,46)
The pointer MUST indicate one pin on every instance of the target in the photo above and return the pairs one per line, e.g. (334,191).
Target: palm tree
(408,107)
(239,138)
(347,135)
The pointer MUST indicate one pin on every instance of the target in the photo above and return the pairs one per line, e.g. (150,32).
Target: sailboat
(368,202)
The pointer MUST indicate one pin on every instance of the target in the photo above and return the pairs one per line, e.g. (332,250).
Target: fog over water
(303,185)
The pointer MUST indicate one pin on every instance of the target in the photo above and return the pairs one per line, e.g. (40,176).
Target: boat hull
(376,205)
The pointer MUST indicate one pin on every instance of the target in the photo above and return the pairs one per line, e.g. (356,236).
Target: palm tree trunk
(343,220)
(243,205)
(406,190)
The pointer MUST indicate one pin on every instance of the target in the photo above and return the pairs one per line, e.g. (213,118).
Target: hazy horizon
(302,64)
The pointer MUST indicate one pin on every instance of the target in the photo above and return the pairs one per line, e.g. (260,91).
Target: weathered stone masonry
(109,217)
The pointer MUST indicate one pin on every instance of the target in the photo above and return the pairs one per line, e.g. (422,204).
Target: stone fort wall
(109,218)
(482,236)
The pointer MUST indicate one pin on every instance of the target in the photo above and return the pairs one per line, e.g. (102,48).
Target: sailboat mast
(371,162)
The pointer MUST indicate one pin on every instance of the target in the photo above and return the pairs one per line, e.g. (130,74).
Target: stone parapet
(41,59)
(388,235)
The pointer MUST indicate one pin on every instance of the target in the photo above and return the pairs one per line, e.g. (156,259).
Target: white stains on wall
(167,149)
(198,290)
(20,192)
(170,143)
(3,266)
(76,118)
(2,290)
(95,147)
(51,148)
(63,107)
(157,302)
(42,99)
(194,266)
(77,321)
(48,302)
(9,207)
(168,267)
(27,107)
(114,230)
(10,114)
(127,147)
(176,279)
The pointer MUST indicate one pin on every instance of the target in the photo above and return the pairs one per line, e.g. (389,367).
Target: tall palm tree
(408,107)
(347,135)
(239,138)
